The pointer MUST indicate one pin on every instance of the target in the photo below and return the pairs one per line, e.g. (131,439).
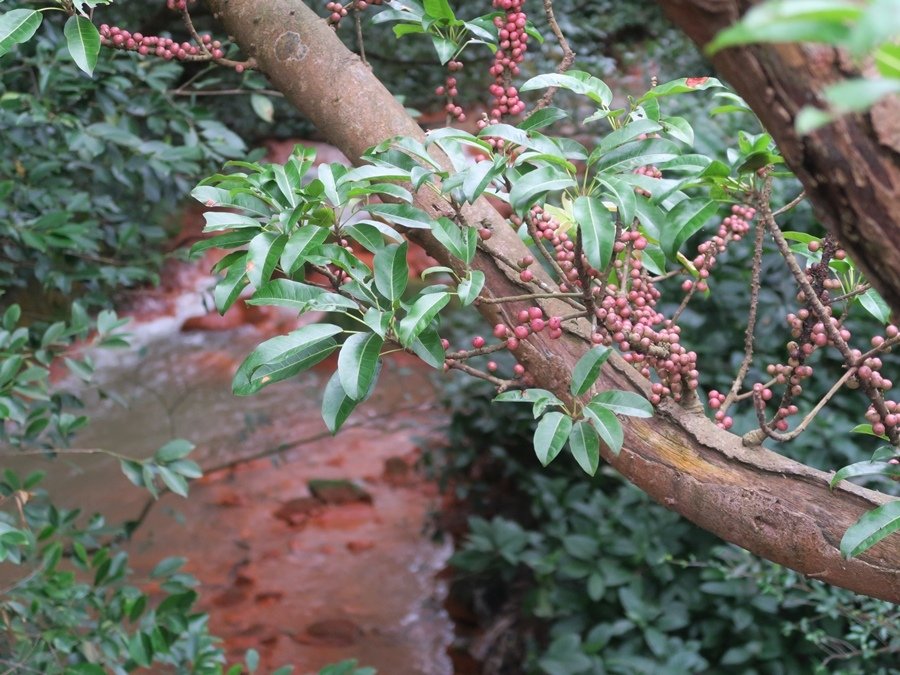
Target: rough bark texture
(775,507)
(850,169)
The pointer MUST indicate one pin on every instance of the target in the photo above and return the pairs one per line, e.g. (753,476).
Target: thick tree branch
(775,507)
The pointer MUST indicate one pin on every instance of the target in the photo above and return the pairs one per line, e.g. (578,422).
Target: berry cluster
(511,52)
(163,47)
(339,11)
(733,228)
(450,90)
(626,310)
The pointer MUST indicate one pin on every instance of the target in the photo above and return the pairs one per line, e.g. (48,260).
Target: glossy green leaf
(429,348)
(301,243)
(683,85)
(403,215)
(584,445)
(543,118)
(624,197)
(221,220)
(300,297)
(597,229)
(625,134)
(336,404)
(263,107)
(18,26)
(634,154)
(357,363)
(420,315)
(607,426)
(870,529)
(262,256)
(624,403)
(281,357)
(866,469)
(83,42)
(533,185)
(229,289)
(587,369)
(392,271)
(684,220)
(575,81)
(455,238)
(550,436)
(469,288)
(875,305)
(178,448)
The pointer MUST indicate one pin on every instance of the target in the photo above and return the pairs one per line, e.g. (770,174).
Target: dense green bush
(92,169)
(621,585)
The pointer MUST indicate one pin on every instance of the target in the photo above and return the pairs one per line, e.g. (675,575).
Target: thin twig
(567,60)
(751,319)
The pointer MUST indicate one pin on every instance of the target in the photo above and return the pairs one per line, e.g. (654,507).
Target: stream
(307,580)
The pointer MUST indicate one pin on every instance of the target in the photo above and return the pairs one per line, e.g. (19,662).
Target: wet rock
(397,471)
(330,632)
(231,597)
(338,492)
(358,546)
(297,511)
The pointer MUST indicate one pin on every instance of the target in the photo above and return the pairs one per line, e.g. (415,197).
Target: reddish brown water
(304,581)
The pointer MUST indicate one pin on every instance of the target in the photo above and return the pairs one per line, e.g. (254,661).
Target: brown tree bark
(850,169)
(771,505)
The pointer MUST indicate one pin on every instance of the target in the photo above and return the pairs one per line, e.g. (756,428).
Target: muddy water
(302,580)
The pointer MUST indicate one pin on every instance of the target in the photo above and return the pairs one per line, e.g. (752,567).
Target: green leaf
(302,242)
(875,305)
(391,271)
(175,482)
(530,187)
(404,215)
(469,288)
(550,436)
(683,85)
(767,23)
(429,348)
(300,297)
(866,469)
(420,315)
(460,241)
(575,81)
(263,107)
(684,220)
(478,177)
(598,232)
(624,403)
(624,197)
(83,41)
(625,134)
(229,289)
(585,447)
(336,404)
(262,256)
(18,26)
(587,369)
(438,9)
(358,362)
(173,450)
(870,529)
(543,118)
(634,154)
(607,425)
(281,357)
(222,220)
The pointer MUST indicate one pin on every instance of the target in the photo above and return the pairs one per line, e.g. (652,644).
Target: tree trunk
(775,507)
(850,169)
